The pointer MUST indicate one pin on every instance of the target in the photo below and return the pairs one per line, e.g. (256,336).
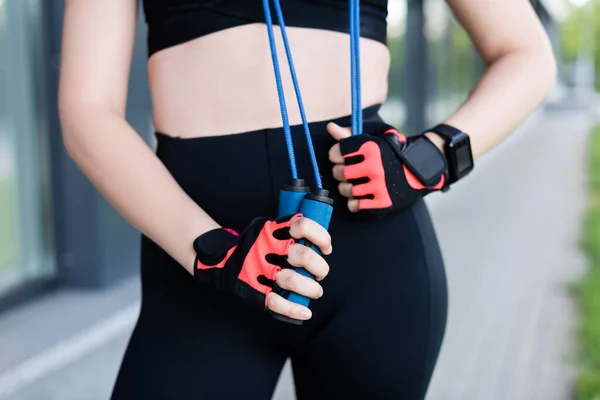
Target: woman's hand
(303,256)
(336,157)
(382,171)
(256,265)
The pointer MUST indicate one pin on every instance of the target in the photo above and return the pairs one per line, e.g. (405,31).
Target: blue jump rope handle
(290,199)
(319,209)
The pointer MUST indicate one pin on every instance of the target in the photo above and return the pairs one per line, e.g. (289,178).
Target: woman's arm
(521,69)
(521,72)
(96,56)
(97,52)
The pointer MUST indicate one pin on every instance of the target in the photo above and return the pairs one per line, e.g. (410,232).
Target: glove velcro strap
(213,251)
(422,158)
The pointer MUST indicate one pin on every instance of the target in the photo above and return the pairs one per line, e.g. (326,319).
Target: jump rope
(296,197)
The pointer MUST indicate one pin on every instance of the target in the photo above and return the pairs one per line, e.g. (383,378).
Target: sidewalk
(509,236)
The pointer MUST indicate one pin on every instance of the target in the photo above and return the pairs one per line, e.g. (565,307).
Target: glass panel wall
(25,234)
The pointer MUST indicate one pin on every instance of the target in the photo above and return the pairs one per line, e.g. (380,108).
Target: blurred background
(521,237)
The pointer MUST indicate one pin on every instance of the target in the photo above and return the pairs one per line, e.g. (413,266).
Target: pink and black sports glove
(390,171)
(245,264)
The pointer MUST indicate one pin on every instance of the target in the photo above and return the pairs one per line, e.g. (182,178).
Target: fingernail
(305,313)
(321,295)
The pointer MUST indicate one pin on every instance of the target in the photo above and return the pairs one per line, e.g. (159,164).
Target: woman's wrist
(437,140)
(200,226)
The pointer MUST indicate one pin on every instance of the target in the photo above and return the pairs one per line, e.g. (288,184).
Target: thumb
(337,132)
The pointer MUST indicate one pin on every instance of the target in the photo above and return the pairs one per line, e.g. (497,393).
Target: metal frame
(416,67)
(26,292)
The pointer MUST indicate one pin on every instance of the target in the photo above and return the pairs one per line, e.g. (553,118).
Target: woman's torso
(211,71)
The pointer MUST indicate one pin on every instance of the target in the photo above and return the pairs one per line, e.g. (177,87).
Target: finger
(353,205)
(361,170)
(367,204)
(345,189)
(337,132)
(303,256)
(335,154)
(305,228)
(291,280)
(338,172)
(279,305)
(361,190)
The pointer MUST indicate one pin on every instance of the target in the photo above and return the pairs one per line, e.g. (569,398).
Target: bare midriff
(223,83)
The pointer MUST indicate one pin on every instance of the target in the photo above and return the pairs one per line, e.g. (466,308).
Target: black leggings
(376,332)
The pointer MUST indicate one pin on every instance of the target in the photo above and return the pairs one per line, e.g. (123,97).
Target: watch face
(463,157)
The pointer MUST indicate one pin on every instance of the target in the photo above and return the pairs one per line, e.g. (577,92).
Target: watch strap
(448,132)
(454,137)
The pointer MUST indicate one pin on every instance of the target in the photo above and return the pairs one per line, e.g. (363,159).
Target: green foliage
(581,31)
(571,37)
(588,290)
(8,245)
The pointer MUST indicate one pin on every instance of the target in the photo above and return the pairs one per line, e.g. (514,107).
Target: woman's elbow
(548,69)
(69,122)
(77,120)
(542,69)
(542,63)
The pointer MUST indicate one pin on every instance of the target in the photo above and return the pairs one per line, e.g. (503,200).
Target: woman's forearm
(511,88)
(130,176)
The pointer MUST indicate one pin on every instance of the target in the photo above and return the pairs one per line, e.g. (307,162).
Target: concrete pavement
(509,236)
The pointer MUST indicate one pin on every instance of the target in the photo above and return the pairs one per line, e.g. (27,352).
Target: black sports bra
(172,22)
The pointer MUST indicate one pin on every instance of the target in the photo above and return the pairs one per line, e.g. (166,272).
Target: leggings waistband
(238,176)
(369,113)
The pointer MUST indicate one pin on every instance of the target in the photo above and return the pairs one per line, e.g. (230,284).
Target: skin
(200,89)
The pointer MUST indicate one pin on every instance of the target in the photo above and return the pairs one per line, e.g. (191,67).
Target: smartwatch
(457,149)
